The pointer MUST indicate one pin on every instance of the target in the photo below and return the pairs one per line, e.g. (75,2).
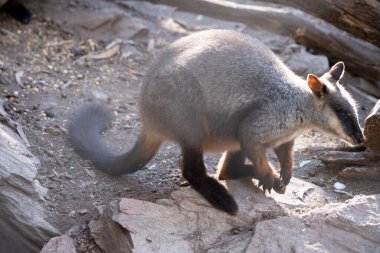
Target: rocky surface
(97,50)
(352,226)
(24,224)
(187,223)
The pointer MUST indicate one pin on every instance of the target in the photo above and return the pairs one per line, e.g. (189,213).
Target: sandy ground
(44,80)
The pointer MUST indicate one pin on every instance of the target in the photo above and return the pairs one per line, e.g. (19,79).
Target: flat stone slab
(352,226)
(187,223)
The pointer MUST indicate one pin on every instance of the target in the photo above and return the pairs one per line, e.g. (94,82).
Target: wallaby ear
(337,71)
(314,84)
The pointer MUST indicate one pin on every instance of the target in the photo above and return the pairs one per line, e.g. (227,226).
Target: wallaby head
(336,112)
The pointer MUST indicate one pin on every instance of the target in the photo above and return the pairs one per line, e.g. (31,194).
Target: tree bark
(367,173)
(358,17)
(349,158)
(361,58)
(372,129)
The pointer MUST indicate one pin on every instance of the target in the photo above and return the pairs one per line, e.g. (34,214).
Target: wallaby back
(205,84)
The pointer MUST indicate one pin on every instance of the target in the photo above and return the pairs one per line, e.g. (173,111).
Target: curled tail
(85,136)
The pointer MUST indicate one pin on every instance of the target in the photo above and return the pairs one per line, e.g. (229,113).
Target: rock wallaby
(216,91)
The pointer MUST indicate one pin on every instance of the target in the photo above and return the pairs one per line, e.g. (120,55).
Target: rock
(150,10)
(313,167)
(110,236)
(339,186)
(131,51)
(187,223)
(54,131)
(301,194)
(83,211)
(76,229)
(106,24)
(371,172)
(353,226)
(50,114)
(304,63)
(59,244)
(23,219)
(100,95)
(366,157)
(320,182)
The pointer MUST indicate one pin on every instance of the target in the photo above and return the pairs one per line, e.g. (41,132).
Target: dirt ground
(43,81)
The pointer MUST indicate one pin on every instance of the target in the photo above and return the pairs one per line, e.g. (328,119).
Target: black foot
(216,195)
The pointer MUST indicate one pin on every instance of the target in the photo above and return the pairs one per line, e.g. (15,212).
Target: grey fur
(232,82)
(220,90)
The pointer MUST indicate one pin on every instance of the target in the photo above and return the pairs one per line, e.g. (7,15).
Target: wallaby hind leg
(232,166)
(285,156)
(194,171)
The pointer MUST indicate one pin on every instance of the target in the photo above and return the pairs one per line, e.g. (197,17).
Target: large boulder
(187,223)
(23,219)
(59,244)
(353,226)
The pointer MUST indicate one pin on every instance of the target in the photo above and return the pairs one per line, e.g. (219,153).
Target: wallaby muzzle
(357,137)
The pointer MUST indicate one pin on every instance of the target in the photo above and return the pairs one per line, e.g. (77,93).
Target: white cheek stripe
(337,126)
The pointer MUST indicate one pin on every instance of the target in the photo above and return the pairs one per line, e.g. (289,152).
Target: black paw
(279,186)
(286,175)
(216,195)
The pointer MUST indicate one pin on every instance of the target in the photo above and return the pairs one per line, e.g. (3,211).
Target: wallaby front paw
(269,181)
(286,175)
(279,186)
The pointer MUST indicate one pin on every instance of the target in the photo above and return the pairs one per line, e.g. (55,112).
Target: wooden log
(349,158)
(361,58)
(367,173)
(372,129)
(360,18)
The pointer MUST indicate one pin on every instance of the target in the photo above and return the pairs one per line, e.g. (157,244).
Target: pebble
(100,95)
(319,182)
(339,186)
(83,211)
(302,163)
(49,114)
(76,229)
(53,131)
(184,184)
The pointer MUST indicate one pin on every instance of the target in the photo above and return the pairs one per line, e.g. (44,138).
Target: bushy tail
(84,131)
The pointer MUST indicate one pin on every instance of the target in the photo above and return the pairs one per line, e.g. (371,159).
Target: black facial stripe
(349,123)
(345,115)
